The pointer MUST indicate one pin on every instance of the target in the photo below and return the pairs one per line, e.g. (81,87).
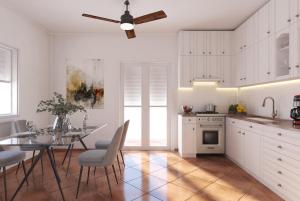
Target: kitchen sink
(263,120)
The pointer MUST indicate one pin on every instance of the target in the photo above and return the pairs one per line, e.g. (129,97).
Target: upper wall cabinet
(204,55)
(266,20)
(283,14)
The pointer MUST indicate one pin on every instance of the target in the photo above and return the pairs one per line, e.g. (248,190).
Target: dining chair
(8,158)
(103,144)
(19,126)
(101,158)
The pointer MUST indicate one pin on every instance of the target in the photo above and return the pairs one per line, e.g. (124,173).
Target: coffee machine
(295,112)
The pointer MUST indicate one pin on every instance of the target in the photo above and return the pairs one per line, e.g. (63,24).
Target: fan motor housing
(127,18)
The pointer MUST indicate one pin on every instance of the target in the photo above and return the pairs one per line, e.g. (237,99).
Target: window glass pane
(158,126)
(134,133)
(5,101)
(158,85)
(5,64)
(132,85)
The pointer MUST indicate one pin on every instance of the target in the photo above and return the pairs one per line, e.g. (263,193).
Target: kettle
(210,108)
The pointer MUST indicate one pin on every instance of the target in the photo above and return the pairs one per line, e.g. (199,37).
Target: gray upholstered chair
(19,126)
(103,144)
(8,158)
(101,158)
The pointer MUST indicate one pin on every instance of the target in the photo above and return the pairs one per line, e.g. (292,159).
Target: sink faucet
(274,113)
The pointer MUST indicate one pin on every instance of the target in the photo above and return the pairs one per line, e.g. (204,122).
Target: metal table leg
(35,161)
(66,155)
(55,173)
(85,147)
(69,161)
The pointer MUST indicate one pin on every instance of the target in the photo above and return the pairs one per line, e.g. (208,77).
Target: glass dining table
(44,140)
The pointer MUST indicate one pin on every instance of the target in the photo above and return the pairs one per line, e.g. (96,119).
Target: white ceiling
(65,15)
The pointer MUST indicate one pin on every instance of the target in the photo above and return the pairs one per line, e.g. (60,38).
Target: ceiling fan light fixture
(127,21)
(127,26)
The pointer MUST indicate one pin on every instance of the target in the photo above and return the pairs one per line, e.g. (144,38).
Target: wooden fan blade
(100,18)
(130,34)
(150,17)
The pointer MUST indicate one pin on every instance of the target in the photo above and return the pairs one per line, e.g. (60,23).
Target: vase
(61,124)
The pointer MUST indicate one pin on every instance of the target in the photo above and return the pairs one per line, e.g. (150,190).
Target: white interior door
(145,92)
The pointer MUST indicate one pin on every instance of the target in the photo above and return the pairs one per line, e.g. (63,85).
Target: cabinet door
(263,27)
(226,71)
(200,70)
(212,42)
(230,146)
(252,155)
(227,41)
(295,49)
(250,65)
(283,18)
(263,60)
(250,31)
(212,67)
(271,17)
(237,145)
(201,43)
(185,71)
(189,139)
(295,12)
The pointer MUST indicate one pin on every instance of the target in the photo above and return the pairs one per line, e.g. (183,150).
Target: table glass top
(44,137)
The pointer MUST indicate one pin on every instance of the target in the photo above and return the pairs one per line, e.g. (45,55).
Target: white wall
(113,49)
(32,44)
(283,93)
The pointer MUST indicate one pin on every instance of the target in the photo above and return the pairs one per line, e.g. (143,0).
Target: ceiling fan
(127,21)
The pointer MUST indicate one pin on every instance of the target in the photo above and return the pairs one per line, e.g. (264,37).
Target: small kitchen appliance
(295,112)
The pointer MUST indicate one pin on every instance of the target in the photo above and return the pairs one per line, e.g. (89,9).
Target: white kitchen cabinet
(263,26)
(224,42)
(283,14)
(295,10)
(187,136)
(186,71)
(213,70)
(295,50)
(212,42)
(226,71)
(200,67)
(201,41)
(252,152)
(266,60)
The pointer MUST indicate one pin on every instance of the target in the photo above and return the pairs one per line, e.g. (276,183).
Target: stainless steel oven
(211,135)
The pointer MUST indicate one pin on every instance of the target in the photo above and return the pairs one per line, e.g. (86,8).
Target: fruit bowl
(187,108)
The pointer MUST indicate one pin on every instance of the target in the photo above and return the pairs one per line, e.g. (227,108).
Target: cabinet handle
(289,20)
(209,52)
(251,126)
(297,15)
(268,32)
(209,76)
(239,132)
(279,147)
(279,134)
(190,52)
(223,81)
(243,133)
(203,76)
(233,122)
(245,46)
(279,185)
(203,52)
(279,159)
(289,68)
(223,52)
(279,172)
(193,129)
(268,73)
(297,66)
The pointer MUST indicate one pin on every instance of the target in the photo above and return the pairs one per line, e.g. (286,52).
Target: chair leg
(115,173)
(108,181)
(79,180)
(119,164)
(122,157)
(95,170)
(24,170)
(4,183)
(18,168)
(67,152)
(88,175)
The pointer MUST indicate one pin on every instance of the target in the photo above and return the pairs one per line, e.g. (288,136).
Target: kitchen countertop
(278,123)
(202,115)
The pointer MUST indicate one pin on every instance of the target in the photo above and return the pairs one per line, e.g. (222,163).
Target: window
(145,104)
(8,80)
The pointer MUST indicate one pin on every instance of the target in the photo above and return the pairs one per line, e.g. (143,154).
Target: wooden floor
(148,176)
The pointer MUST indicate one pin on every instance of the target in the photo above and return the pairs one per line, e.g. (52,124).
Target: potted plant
(59,107)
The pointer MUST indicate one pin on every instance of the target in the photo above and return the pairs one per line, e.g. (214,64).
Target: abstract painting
(85,83)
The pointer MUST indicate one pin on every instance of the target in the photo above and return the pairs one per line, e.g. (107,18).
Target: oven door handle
(211,126)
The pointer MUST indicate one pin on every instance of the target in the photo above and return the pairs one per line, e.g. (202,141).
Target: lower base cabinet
(270,155)
(187,136)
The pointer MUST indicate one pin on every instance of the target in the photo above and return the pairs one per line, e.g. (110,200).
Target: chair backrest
(113,148)
(126,124)
(19,126)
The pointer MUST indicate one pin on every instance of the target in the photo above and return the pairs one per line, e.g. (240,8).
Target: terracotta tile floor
(148,176)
